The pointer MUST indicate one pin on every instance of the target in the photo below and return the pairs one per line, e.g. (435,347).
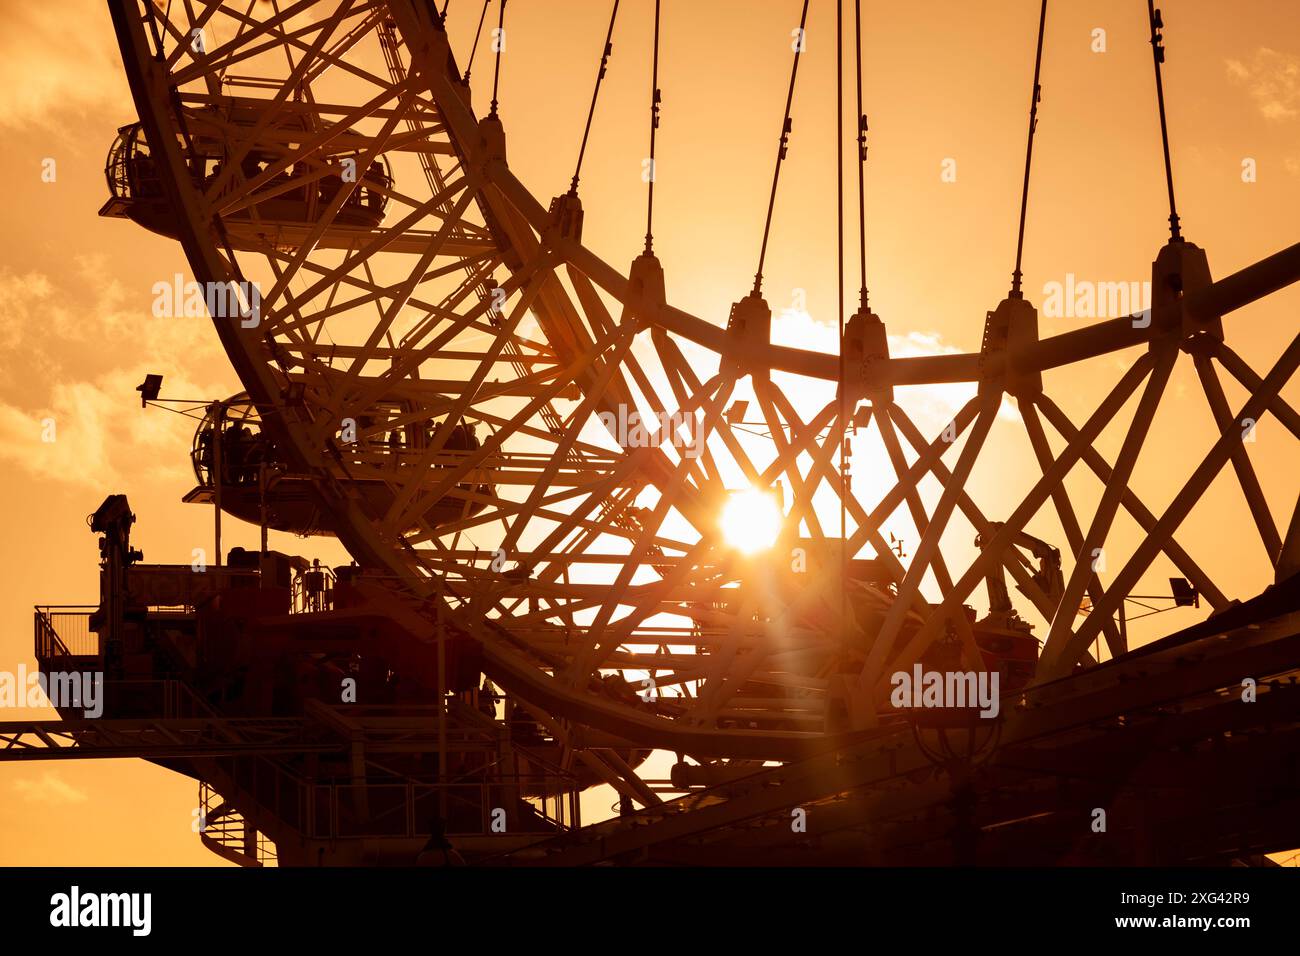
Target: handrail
(50,644)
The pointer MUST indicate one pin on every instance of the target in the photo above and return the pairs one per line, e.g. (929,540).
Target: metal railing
(404,809)
(64,631)
(178,588)
(313,590)
(400,808)
(224,830)
(163,698)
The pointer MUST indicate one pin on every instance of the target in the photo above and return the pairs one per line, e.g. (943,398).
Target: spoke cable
(655,100)
(781,150)
(839,297)
(591,112)
(474,49)
(862,160)
(1158,57)
(500,45)
(1034,98)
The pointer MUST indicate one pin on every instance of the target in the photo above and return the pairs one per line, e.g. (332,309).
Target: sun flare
(751,520)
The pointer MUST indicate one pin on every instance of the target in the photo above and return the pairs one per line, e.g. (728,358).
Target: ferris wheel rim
(248,353)
(249,357)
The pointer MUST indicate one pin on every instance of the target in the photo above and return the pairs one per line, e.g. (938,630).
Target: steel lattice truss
(471,302)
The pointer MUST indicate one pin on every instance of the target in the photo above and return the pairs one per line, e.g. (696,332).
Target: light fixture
(149,389)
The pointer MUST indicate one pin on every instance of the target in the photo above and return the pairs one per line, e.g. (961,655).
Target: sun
(751,520)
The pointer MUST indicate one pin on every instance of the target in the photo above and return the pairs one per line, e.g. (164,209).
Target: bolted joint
(1181,269)
(566,216)
(1010,331)
(749,328)
(645,283)
(865,348)
(492,138)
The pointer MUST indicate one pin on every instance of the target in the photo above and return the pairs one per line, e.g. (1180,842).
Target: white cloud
(78,350)
(98,436)
(48,789)
(58,62)
(1273,81)
(931,406)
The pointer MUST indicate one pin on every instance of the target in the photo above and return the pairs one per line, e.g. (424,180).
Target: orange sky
(944,79)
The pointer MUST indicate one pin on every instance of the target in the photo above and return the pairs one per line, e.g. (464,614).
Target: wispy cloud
(58,62)
(47,789)
(1272,79)
(78,350)
(932,405)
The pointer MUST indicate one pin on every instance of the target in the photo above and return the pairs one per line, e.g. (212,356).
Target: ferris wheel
(527,446)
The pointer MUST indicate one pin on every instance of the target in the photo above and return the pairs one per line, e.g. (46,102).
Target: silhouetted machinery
(360,757)
(1006,642)
(257,486)
(778,596)
(341,711)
